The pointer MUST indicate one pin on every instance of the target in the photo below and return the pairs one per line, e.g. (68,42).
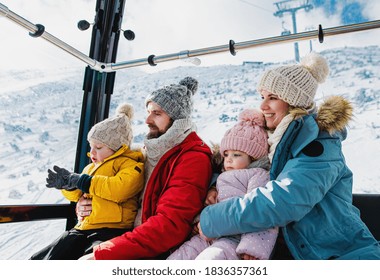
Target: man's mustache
(152,126)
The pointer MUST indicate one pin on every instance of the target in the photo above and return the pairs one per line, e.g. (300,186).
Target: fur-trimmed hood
(334,114)
(216,158)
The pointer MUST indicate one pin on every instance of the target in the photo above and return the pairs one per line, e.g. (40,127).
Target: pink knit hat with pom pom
(248,135)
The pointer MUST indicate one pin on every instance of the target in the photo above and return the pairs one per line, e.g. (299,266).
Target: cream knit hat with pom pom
(115,131)
(296,84)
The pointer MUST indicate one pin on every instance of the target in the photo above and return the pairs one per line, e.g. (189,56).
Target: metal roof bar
(233,47)
(39,31)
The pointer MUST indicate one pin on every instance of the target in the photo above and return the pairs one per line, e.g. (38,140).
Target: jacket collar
(307,133)
(125,151)
(299,133)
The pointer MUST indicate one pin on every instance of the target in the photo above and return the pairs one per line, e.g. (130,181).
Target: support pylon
(291,6)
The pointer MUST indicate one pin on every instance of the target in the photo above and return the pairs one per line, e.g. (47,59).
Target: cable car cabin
(47,112)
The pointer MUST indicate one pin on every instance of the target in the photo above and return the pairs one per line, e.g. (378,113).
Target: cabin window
(41,85)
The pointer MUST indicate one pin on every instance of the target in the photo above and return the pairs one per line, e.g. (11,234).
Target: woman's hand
(204,237)
(83,208)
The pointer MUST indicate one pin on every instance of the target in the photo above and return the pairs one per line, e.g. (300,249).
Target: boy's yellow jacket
(115,187)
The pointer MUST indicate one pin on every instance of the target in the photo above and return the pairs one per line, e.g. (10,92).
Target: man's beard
(154,134)
(157,133)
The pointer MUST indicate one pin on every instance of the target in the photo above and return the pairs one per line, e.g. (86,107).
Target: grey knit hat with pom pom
(296,84)
(115,131)
(176,99)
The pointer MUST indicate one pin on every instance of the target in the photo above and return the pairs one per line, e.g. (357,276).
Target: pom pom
(316,65)
(254,116)
(190,83)
(125,109)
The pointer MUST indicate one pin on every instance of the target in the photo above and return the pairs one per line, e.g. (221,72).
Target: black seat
(369,206)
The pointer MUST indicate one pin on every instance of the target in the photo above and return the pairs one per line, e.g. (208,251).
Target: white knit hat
(116,131)
(177,99)
(296,84)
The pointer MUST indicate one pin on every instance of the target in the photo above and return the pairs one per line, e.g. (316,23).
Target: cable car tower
(291,6)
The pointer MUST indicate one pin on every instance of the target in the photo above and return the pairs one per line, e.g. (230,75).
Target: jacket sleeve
(303,182)
(72,195)
(258,244)
(127,182)
(170,225)
(75,194)
(232,183)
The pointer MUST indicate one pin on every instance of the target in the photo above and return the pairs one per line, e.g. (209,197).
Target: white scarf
(157,147)
(276,135)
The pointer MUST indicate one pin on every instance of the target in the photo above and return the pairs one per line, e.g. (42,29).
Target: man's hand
(83,208)
(195,230)
(87,257)
(62,179)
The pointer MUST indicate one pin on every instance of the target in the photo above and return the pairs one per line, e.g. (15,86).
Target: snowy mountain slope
(40,113)
(36,122)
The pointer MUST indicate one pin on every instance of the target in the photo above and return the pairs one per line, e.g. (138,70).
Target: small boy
(113,181)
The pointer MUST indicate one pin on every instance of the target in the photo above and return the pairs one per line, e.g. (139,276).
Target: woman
(310,192)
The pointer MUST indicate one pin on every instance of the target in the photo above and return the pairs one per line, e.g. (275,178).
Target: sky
(170,26)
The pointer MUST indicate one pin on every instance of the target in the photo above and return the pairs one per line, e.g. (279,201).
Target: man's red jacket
(174,195)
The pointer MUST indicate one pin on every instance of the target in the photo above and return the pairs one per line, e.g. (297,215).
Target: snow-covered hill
(40,113)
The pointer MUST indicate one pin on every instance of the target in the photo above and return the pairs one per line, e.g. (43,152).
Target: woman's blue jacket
(309,196)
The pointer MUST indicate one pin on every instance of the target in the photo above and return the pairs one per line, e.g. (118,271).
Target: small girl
(244,149)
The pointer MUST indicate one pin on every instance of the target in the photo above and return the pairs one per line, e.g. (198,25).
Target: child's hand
(211,196)
(248,257)
(62,179)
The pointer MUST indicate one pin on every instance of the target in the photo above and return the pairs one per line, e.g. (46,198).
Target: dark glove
(62,179)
